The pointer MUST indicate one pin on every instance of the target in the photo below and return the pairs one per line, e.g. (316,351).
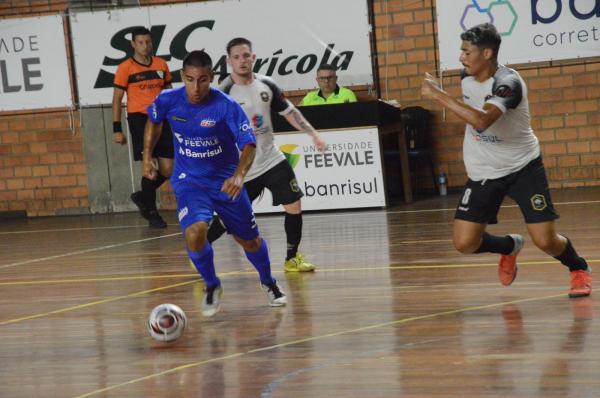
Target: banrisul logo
(288,152)
(501,13)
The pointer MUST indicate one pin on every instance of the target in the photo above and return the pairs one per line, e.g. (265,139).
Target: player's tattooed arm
(299,122)
(302,123)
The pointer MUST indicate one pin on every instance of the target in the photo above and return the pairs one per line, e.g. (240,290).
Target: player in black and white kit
(502,157)
(258,95)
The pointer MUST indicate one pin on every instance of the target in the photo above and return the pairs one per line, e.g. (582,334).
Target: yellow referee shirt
(339,96)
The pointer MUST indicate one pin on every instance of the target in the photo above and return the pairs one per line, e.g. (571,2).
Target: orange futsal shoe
(581,283)
(507,267)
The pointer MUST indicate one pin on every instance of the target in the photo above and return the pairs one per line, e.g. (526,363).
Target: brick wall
(42,170)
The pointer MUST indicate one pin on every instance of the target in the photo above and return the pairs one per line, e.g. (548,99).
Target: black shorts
(481,200)
(280,180)
(164,146)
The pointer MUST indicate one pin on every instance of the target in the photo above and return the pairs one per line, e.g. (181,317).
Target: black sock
(496,244)
(215,230)
(293,231)
(571,259)
(149,188)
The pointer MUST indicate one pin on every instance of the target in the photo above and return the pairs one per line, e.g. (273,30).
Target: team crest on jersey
(504,91)
(264,96)
(538,202)
(208,123)
(294,185)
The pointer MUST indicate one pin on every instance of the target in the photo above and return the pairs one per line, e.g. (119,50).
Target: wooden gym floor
(392,311)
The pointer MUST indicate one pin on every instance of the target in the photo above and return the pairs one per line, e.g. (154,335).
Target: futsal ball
(166,322)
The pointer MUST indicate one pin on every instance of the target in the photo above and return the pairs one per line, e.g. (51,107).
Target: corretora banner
(33,64)
(348,175)
(291,39)
(531,30)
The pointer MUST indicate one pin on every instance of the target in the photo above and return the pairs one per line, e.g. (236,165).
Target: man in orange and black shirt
(142,77)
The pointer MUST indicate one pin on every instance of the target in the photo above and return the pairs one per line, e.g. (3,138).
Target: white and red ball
(166,322)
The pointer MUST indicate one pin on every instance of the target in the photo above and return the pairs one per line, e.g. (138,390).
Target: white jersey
(507,145)
(257,100)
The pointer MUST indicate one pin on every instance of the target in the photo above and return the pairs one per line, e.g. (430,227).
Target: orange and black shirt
(142,83)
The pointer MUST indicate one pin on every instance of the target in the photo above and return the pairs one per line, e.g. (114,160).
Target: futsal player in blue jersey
(214,149)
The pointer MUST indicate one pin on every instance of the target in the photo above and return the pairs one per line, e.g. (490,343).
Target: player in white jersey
(258,95)
(502,157)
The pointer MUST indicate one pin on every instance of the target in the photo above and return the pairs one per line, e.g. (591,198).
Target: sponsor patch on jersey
(245,127)
(178,119)
(504,91)
(294,185)
(208,123)
(182,213)
(178,136)
(258,121)
(538,202)
(486,137)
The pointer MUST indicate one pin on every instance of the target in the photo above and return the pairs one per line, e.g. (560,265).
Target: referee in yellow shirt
(329,92)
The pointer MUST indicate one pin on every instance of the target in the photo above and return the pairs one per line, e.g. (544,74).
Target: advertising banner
(531,30)
(33,64)
(291,39)
(348,175)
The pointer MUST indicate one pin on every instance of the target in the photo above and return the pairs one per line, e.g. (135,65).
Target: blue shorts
(197,203)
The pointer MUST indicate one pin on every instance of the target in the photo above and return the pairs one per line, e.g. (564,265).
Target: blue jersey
(206,137)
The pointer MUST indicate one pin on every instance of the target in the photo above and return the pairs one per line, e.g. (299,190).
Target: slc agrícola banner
(291,39)
(531,30)
(348,175)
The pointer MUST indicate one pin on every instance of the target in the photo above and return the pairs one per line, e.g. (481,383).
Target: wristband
(117,127)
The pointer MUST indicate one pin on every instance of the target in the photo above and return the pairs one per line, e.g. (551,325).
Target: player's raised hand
(430,86)
(233,186)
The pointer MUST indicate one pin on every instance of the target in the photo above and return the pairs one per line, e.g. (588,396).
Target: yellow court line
(80,306)
(313,338)
(98,302)
(250,271)
(106,279)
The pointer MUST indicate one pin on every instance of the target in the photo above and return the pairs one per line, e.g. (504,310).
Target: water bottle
(442,184)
